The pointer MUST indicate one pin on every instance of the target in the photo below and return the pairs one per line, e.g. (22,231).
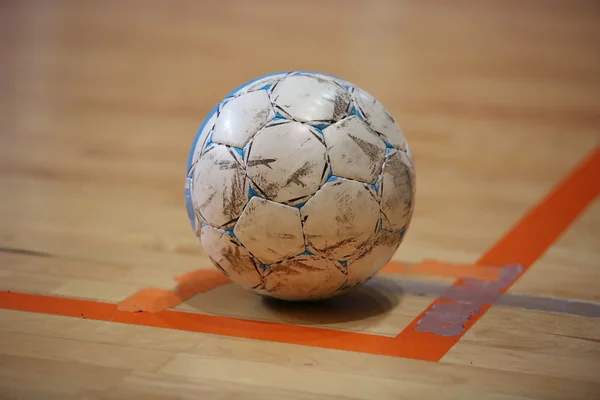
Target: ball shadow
(370,301)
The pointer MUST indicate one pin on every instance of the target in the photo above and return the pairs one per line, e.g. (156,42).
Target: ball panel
(324,76)
(290,171)
(341,216)
(377,252)
(203,133)
(270,231)
(354,151)
(219,188)
(264,82)
(305,278)
(327,173)
(241,117)
(309,98)
(189,203)
(229,256)
(397,191)
(379,119)
(327,150)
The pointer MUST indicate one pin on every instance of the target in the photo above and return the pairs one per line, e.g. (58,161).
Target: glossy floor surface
(100,103)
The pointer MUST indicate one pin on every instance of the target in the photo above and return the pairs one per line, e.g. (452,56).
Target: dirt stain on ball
(239,261)
(262,116)
(300,173)
(401,182)
(340,104)
(262,161)
(235,195)
(372,151)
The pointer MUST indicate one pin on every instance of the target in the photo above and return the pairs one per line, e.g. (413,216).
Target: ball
(300,186)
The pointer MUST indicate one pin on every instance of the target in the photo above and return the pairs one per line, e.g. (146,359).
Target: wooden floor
(100,102)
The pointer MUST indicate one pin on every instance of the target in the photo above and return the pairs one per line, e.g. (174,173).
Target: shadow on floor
(366,302)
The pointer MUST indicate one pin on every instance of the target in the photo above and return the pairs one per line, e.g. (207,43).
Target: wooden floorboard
(100,104)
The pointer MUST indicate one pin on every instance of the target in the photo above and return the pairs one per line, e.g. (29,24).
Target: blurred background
(101,100)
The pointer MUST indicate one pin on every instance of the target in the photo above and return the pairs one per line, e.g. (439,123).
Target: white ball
(300,186)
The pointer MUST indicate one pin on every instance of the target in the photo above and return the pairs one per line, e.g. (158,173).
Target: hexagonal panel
(397,191)
(286,161)
(354,151)
(310,98)
(270,231)
(376,252)
(241,117)
(305,278)
(379,119)
(339,218)
(220,188)
(231,257)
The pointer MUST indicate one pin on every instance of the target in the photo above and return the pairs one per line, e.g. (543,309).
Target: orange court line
(211,324)
(523,244)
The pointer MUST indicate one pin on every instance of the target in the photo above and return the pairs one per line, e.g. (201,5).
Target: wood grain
(100,102)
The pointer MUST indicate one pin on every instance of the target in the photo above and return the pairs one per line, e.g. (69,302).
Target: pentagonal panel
(354,151)
(379,119)
(270,231)
(397,191)
(310,98)
(376,252)
(220,189)
(305,278)
(231,257)
(341,216)
(286,161)
(241,117)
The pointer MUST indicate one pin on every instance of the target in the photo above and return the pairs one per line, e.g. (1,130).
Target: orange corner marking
(202,280)
(523,245)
